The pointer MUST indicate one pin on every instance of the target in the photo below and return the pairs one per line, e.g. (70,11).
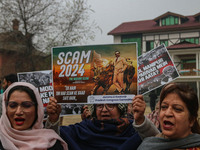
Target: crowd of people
(172,125)
(106,126)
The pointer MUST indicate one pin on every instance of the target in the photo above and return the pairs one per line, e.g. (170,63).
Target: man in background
(7,81)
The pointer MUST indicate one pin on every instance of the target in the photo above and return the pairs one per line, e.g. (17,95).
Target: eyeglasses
(109,107)
(25,105)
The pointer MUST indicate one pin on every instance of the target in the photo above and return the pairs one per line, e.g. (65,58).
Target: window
(170,20)
(186,64)
(134,39)
(164,42)
(197,18)
(163,22)
(149,45)
(167,21)
(191,40)
(176,20)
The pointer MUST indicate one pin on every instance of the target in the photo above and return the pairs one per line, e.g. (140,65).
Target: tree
(48,23)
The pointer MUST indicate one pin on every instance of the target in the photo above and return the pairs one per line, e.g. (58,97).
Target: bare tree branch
(50,22)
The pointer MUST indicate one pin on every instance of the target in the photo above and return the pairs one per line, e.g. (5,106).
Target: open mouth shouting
(19,121)
(167,125)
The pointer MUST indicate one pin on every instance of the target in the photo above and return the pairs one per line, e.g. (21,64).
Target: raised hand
(86,113)
(53,110)
(139,107)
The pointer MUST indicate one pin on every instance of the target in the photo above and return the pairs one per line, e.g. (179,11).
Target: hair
(188,96)
(11,78)
(29,91)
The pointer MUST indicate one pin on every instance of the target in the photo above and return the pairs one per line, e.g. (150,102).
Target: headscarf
(34,138)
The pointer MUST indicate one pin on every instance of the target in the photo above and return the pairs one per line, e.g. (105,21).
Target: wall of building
(117,39)
(173,38)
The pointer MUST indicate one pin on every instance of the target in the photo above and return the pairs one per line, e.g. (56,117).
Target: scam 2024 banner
(95,73)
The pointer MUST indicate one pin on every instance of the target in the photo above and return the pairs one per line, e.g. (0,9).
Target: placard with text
(155,68)
(85,74)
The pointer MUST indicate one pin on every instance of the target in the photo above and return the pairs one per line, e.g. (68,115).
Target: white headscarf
(36,138)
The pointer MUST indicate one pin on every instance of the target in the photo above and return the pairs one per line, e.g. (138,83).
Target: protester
(108,129)
(153,116)
(21,124)
(7,81)
(178,120)
(86,114)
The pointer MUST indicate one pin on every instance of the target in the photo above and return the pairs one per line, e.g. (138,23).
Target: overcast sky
(111,13)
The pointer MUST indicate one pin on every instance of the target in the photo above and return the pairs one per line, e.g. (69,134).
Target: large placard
(85,74)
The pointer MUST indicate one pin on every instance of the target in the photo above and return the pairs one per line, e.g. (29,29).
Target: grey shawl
(158,143)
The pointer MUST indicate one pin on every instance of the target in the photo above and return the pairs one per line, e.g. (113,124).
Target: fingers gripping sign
(53,109)
(139,107)
(86,113)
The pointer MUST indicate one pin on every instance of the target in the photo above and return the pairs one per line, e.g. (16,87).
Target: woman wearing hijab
(108,129)
(21,124)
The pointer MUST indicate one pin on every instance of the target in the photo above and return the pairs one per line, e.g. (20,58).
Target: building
(14,55)
(180,34)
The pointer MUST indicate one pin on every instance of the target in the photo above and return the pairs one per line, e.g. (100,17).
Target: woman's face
(107,111)
(174,117)
(21,110)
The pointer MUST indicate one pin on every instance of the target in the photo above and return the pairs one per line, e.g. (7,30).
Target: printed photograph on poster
(71,109)
(80,72)
(155,68)
(40,79)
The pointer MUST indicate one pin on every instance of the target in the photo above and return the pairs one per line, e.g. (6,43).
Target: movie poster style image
(155,68)
(95,73)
